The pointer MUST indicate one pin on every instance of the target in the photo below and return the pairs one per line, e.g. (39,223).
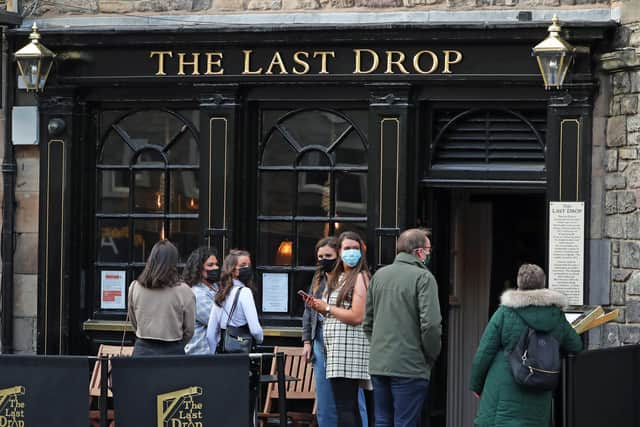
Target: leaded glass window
(147,188)
(312,177)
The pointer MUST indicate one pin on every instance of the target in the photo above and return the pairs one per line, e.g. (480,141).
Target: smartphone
(303,294)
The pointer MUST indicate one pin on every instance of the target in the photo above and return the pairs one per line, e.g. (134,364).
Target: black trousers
(145,347)
(345,392)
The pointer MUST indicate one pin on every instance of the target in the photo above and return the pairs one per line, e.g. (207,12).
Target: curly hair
(192,271)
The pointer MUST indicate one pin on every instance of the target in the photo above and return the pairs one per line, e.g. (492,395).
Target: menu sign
(566,250)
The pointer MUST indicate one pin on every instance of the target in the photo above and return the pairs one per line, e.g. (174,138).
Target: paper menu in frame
(275,292)
(566,250)
(112,289)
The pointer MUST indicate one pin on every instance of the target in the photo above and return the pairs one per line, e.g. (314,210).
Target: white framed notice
(566,250)
(275,292)
(112,286)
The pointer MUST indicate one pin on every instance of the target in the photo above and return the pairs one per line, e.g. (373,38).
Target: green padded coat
(504,403)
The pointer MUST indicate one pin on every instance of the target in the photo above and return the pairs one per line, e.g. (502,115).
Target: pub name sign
(357,61)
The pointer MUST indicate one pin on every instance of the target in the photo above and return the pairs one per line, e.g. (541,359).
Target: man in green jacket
(403,324)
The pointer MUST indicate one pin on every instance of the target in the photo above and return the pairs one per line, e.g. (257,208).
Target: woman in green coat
(503,403)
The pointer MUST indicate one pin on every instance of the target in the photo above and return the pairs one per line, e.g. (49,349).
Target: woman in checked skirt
(347,348)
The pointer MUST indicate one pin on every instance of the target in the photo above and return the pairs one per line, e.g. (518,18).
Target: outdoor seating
(302,389)
(94,384)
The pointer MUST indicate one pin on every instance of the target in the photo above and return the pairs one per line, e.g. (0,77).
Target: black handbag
(236,339)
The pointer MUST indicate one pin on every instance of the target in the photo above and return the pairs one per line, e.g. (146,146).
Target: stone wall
(621,163)
(37,7)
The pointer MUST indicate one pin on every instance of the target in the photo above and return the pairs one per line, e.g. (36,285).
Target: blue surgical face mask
(351,257)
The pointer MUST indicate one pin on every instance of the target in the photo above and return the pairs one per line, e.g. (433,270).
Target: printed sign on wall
(566,250)
(191,391)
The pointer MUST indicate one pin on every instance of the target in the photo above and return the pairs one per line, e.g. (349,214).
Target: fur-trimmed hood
(514,298)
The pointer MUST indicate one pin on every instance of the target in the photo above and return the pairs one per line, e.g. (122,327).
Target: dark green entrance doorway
(481,237)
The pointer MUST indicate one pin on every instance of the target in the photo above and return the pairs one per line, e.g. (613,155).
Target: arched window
(312,177)
(147,187)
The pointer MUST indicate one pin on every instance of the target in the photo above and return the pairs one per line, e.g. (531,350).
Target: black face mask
(328,265)
(213,276)
(245,274)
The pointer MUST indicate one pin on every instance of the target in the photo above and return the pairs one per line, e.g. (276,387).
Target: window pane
(184,192)
(308,235)
(278,152)
(360,118)
(351,193)
(315,127)
(351,151)
(185,235)
(113,240)
(185,150)
(276,193)
(115,151)
(151,127)
(275,243)
(147,232)
(358,227)
(314,158)
(113,191)
(313,194)
(150,157)
(149,194)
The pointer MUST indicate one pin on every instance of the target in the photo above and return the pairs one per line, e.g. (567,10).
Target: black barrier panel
(181,391)
(604,388)
(44,391)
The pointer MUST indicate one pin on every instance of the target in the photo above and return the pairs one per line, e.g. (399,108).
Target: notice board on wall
(566,250)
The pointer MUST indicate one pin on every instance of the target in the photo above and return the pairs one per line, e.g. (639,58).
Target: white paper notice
(566,249)
(275,292)
(112,289)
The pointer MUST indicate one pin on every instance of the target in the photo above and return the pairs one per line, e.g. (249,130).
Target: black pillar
(389,169)
(56,226)
(218,119)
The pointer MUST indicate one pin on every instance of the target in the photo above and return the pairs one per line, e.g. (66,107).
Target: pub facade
(272,135)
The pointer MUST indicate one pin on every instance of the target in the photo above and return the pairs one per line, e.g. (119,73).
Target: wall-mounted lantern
(554,55)
(34,62)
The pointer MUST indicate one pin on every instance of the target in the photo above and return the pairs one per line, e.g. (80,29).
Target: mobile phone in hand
(304,295)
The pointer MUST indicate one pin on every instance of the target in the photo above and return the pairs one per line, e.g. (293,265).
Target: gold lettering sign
(12,406)
(179,408)
(304,62)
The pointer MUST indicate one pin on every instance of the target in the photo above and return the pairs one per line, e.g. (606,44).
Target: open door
(471,244)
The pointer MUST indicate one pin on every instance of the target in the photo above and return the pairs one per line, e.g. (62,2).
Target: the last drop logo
(12,406)
(180,408)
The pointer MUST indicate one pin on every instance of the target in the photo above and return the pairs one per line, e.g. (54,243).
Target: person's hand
(306,350)
(476,395)
(319,305)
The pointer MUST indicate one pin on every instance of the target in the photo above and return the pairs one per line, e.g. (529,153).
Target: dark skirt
(145,347)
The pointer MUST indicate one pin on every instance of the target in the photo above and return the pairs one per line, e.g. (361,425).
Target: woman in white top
(245,313)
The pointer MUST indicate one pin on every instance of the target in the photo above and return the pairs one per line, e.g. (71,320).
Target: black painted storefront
(402,138)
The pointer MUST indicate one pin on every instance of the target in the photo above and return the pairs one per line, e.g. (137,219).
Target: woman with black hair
(161,306)
(202,273)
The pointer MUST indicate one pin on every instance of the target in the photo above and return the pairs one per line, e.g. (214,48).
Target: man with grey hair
(403,324)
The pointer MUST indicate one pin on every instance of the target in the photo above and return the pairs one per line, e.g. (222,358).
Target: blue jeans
(327,415)
(398,400)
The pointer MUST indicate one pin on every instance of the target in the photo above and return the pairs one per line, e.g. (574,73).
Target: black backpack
(535,360)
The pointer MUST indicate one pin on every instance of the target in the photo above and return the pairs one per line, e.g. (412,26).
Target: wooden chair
(94,384)
(295,365)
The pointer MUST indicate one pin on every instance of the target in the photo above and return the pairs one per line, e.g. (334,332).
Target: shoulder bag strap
(233,306)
